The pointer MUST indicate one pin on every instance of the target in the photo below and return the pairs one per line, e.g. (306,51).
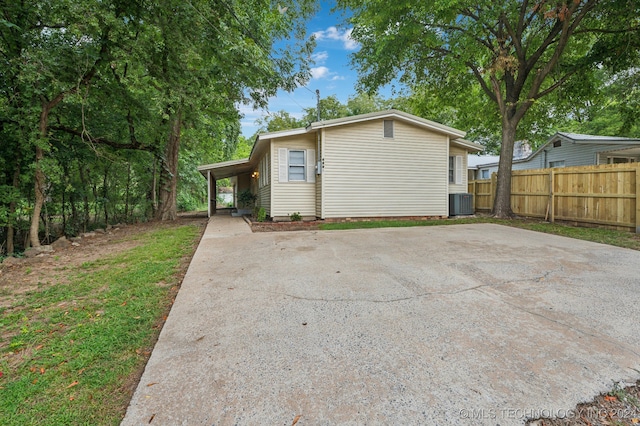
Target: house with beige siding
(382,164)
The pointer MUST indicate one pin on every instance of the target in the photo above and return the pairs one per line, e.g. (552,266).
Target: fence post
(637,198)
(551,198)
(494,183)
(474,195)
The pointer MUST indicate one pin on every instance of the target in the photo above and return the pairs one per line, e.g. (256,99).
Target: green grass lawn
(70,350)
(598,235)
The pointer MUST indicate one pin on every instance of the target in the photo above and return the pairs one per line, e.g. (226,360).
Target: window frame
(452,170)
(611,159)
(556,164)
(303,165)
(456,170)
(391,128)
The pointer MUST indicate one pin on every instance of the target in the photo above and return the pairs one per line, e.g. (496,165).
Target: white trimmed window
(455,169)
(559,163)
(267,177)
(388,128)
(296,165)
(264,171)
(484,174)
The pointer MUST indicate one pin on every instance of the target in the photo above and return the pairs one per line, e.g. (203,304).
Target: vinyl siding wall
(291,197)
(573,155)
(367,175)
(264,190)
(461,187)
(319,178)
(319,196)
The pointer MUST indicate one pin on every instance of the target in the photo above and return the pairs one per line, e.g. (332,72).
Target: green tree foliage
(330,108)
(514,52)
(279,120)
(610,110)
(106,108)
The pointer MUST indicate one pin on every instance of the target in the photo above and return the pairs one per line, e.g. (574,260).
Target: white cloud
(349,43)
(337,77)
(320,57)
(319,72)
(332,33)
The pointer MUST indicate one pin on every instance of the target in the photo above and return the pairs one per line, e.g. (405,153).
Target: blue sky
(331,73)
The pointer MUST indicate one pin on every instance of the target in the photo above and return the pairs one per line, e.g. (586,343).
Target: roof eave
(432,125)
(471,146)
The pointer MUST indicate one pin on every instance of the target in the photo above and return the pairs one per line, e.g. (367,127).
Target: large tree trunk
(502,201)
(39,179)
(167,205)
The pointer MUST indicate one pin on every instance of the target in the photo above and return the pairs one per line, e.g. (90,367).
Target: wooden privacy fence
(600,195)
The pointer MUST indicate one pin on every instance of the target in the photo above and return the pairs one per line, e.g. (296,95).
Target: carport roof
(227,168)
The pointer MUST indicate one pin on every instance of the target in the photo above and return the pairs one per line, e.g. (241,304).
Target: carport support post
(211,190)
(214,193)
(551,197)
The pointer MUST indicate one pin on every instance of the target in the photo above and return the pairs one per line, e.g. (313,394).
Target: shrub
(246,198)
(295,217)
(261,215)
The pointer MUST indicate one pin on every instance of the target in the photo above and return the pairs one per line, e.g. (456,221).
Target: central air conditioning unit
(460,204)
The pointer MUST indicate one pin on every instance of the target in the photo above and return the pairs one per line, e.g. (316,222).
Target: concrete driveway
(464,324)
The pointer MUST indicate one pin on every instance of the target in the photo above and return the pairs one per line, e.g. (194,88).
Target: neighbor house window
(620,160)
(388,128)
(297,169)
(484,174)
(455,169)
(559,163)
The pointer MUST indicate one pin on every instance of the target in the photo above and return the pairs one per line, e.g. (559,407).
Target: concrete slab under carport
(463,324)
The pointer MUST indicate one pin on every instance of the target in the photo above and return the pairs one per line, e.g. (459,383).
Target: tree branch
(567,30)
(554,86)
(134,144)
(604,31)
(497,95)
(483,83)
(520,26)
(517,42)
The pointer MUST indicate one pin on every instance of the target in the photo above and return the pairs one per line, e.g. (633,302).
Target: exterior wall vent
(460,204)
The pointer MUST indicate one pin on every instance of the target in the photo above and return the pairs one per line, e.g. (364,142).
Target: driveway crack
(601,337)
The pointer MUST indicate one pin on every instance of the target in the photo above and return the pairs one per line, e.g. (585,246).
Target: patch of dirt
(620,407)
(18,276)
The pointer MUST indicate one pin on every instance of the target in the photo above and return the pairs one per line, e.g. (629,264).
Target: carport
(238,170)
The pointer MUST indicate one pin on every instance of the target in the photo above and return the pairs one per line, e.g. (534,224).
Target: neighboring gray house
(571,149)
(521,149)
